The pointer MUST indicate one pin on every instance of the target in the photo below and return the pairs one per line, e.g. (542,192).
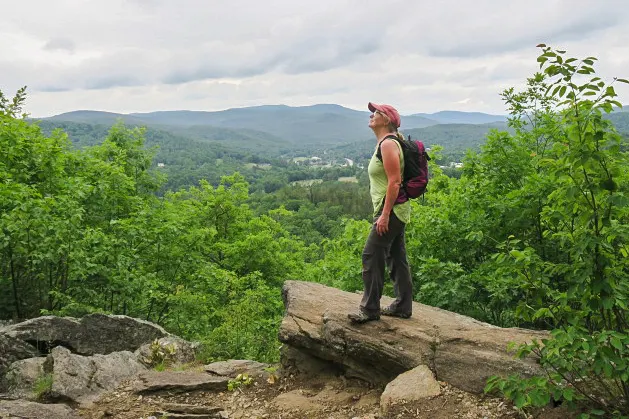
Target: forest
(533,232)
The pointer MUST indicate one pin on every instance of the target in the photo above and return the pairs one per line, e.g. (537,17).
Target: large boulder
(171,349)
(410,386)
(458,349)
(82,379)
(11,350)
(26,409)
(90,335)
(22,377)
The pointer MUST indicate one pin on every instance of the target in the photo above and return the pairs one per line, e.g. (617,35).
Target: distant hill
(317,124)
(455,138)
(86,134)
(457,117)
(303,126)
(95,117)
(280,129)
(620,120)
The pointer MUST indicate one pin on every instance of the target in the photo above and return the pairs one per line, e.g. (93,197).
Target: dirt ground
(325,397)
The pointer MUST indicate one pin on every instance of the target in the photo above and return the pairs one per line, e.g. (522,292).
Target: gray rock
(4,323)
(25,409)
(11,350)
(178,382)
(233,367)
(460,350)
(47,331)
(82,379)
(410,386)
(22,376)
(293,359)
(184,352)
(120,333)
(93,334)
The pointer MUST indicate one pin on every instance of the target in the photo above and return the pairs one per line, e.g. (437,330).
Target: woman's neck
(381,133)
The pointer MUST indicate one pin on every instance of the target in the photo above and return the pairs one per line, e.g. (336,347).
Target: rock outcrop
(90,335)
(82,379)
(23,375)
(75,361)
(459,350)
(26,409)
(11,350)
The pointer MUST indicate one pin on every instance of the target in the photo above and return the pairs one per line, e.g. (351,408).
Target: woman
(385,245)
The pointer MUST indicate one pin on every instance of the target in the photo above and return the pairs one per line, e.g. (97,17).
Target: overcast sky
(420,56)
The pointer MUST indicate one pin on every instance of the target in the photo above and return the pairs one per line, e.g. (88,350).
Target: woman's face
(378,119)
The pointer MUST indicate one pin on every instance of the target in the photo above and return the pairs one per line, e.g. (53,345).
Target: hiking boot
(388,311)
(362,317)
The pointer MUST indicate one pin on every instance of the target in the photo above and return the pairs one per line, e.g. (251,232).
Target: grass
(42,386)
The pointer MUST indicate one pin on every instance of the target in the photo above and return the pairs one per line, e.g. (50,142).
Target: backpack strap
(390,136)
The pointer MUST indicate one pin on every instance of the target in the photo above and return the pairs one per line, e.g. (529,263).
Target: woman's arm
(391,163)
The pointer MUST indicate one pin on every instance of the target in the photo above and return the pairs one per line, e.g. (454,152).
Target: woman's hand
(382,224)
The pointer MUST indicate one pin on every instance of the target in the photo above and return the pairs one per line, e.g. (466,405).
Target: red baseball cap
(388,110)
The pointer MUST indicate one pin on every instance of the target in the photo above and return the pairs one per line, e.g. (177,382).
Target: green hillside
(95,117)
(458,117)
(620,120)
(301,127)
(455,138)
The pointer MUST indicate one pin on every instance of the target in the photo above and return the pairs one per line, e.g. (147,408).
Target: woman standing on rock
(385,245)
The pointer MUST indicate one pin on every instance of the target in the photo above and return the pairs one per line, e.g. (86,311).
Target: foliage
(160,356)
(84,231)
(42,386)
(239,381)
(13,108)
(573,268)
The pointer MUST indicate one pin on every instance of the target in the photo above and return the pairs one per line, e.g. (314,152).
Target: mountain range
(281,129)
(324,124)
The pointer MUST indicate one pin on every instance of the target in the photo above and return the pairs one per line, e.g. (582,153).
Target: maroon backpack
(415,177)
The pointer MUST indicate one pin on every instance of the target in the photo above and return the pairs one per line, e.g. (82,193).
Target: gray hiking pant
(388,250)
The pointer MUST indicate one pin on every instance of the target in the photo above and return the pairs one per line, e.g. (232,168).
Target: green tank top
(378,182)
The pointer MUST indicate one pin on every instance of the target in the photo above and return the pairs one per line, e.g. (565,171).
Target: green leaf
(519,400)
(608,370)
(616,343)
(562,91)
(568,393)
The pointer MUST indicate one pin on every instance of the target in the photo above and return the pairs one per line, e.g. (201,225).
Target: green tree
(573,266)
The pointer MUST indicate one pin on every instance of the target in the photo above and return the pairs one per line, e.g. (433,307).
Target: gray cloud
(61,44)
(566,31)
(422,55)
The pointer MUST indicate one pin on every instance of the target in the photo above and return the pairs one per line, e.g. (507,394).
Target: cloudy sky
(421,56)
